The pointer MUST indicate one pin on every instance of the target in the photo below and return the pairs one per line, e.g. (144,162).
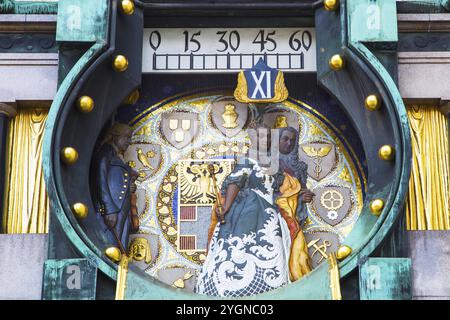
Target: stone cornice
(407,22)
(19,23)
(423,22)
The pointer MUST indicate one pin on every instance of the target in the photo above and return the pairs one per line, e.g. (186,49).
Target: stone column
(6,111)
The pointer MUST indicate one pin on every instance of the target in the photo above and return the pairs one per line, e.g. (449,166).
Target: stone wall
(21,265)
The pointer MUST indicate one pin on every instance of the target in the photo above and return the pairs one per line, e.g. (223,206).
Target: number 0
(155,40)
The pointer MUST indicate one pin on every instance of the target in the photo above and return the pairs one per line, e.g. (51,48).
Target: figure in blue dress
(261,246)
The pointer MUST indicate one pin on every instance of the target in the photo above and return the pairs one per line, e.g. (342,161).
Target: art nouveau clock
(187,83)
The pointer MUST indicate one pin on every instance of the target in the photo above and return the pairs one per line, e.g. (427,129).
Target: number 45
(261,39)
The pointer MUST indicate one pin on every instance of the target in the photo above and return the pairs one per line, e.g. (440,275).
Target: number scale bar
(211,62)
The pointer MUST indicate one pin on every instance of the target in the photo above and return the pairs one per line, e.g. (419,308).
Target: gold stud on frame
(372,102)
(69,155)
(386,152)
(113,253)
(85,104)
(127,7)
(376,206)
(336,62)
(343,252)
(331,5)
(80,210)
(120,63)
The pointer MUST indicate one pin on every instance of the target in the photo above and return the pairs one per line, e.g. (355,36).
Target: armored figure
(114,186)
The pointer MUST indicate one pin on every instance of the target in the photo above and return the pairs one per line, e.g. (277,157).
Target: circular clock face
(172,146)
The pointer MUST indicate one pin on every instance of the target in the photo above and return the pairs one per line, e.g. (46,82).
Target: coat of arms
(229,116)
(180,128)
(320,158)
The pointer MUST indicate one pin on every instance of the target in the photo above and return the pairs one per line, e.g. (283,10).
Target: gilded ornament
(113,253)
(386,153)
(372,102)
(80,210)
(132,98)
(332,200)
(223,148)
(120,63)
(85,104)
(200,154)
(127,7)
(143,159)
(241,92)
(132,164)
(179,284)
(314,130)
(122,277)
(69,155)
(142,174)
(230,116)
(331,5)
(171,231)
(345,175)
(343,252)
(164,211)
(165,199)
(140,250)
(168,188)
(337,62)
(317,153)
(320,249)
(334,277)
(280,122)
(376,206)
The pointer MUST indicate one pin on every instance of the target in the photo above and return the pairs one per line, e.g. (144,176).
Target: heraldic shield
(229,116)
(145,158)
(320,158)
(332,203)
(179,128)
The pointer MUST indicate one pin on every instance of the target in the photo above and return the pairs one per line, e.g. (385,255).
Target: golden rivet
(80,210)
(113,253)
(372,103)
(386,152)
(85,104)
(132,98)
(343,252)
(336,62)
(69,155)
(376,206)
(120,63)
(331,5)
(127,7)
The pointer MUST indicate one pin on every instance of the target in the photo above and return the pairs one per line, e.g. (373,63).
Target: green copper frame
(93,75)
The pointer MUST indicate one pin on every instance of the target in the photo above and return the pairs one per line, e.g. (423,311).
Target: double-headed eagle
(196,183)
